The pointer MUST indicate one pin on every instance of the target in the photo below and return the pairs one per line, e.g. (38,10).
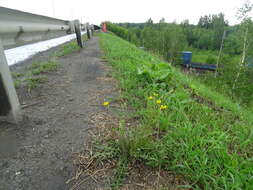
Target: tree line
(231,46)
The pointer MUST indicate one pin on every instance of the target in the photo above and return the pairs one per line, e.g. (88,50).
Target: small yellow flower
(163,107)
(158,101)
(155,94)
(106,104)
(150,98)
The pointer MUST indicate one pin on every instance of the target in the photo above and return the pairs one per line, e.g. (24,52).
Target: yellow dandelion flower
(158,101)
(150,98)
(163,107)
(155,94)
(106,104)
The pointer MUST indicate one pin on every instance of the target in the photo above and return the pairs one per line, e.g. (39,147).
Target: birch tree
(243,16)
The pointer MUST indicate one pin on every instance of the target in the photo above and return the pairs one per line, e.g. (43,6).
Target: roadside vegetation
(212,41)
(34,75)
(68,48)
(180,125)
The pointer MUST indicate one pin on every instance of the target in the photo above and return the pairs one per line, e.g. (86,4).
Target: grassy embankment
(183,126)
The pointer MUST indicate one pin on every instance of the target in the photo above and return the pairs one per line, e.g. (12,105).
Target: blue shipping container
(187,57)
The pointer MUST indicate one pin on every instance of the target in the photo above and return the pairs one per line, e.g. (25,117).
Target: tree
(205,21)
(162,21)
(218,25)
(149,21)
(246,29)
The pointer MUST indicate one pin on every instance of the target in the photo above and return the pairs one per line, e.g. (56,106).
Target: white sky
(95,11)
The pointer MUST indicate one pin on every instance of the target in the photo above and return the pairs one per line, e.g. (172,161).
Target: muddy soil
(37,154)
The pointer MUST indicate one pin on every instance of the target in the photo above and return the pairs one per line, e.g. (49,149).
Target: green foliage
(120,174)
(165,39)
(68,48)
(203,56)
(42,67)
(225,81)
(232,44)
(126,34)
(211,60)
(155,73)
(235,76)
(16,74)
(201,134)
(34,74)
(227,72)
(33,81)
(17,83)
(216,24)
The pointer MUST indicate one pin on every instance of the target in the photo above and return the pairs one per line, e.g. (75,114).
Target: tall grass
(198,133)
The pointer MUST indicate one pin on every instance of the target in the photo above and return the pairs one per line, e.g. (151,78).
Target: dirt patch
(37,154)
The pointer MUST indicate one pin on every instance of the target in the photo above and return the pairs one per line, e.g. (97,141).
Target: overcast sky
(95,11)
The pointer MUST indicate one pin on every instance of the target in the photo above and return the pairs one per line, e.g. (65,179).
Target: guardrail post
(78,33)
(9,103)
(92,29)
(88,30)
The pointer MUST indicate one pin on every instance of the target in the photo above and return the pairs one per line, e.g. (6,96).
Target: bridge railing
(19,28)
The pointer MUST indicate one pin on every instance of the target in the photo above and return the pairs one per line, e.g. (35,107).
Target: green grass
(70,47)
(204,56)
(17,83)
(33,82)
(201,135)
(210,57)
(120,174)
(42,67)
(16,74)
(35,73)
(224,81)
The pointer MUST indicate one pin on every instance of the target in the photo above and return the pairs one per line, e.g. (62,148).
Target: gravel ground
(37,154)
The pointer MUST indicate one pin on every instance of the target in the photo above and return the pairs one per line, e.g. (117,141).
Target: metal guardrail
(19,28)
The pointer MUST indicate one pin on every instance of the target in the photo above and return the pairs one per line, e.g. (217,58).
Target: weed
(120,174)
(42,67)
(34,74)
(17,83)
(68,48)
(16,74)
(32,82)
